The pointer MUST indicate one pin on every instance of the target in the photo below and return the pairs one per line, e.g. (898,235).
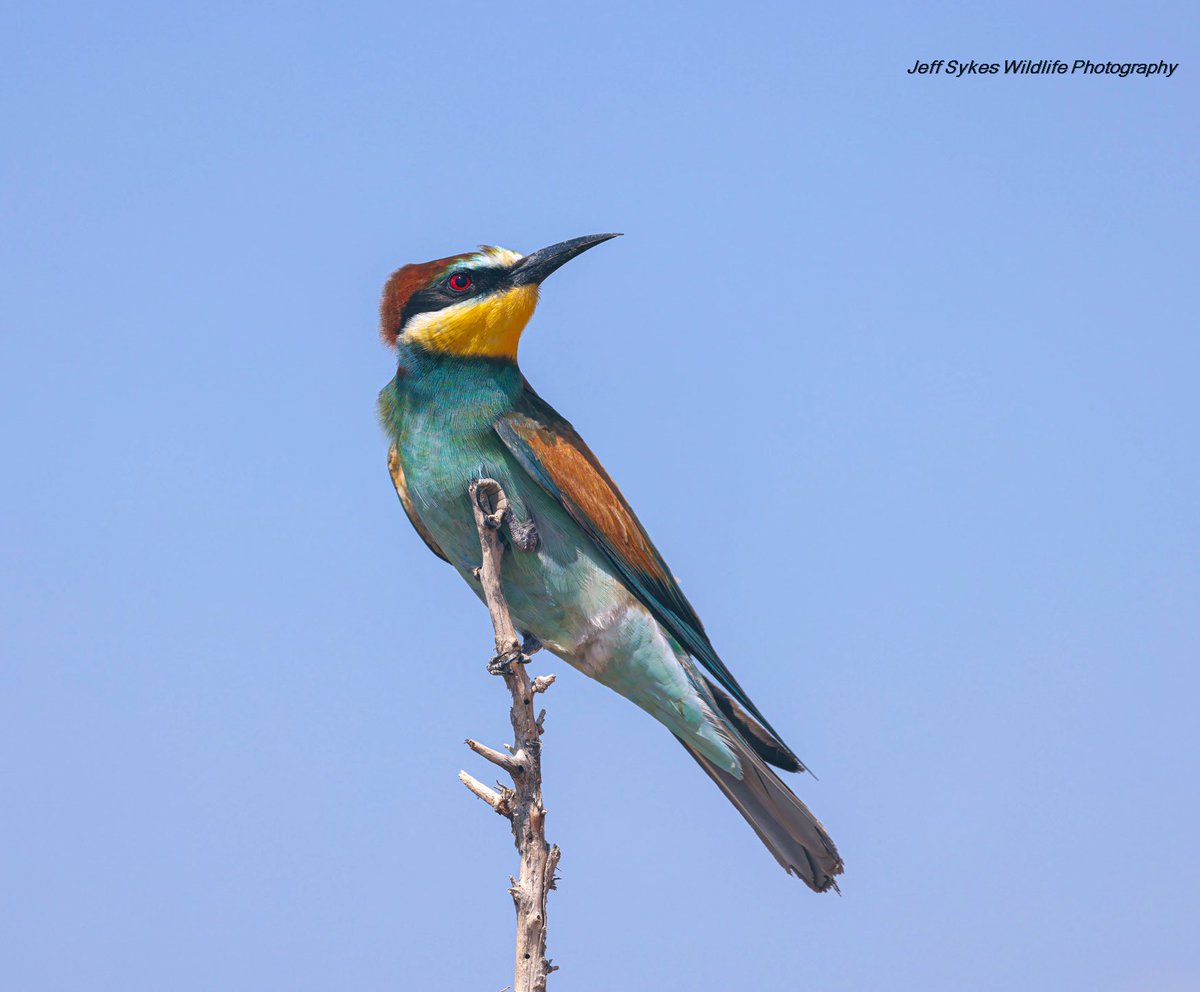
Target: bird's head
(475,304)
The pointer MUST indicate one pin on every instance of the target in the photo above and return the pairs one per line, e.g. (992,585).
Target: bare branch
(493,798)
(522,804)
(506,761)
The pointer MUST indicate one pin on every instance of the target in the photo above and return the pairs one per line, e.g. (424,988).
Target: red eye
(460,283)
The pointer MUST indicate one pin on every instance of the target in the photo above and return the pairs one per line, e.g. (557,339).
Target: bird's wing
(555,456)
(398,480)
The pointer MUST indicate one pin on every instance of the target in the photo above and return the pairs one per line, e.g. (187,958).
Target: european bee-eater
(591,587)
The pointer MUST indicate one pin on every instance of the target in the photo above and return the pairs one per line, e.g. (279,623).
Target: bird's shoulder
(551,449)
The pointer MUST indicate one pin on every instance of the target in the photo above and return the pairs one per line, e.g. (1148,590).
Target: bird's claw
(502,663)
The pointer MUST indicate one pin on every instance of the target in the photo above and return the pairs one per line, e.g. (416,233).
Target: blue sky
(924,349)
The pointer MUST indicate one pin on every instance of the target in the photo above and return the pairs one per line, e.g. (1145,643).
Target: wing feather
(556,457)
(398,480)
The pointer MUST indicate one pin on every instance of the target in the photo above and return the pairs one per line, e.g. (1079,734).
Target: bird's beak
(534,268)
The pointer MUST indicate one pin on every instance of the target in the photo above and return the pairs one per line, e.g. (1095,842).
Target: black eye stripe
(441,294)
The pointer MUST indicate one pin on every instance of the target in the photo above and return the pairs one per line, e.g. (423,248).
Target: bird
(583,577)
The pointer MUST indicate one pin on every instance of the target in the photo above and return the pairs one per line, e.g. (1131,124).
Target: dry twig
(521,805)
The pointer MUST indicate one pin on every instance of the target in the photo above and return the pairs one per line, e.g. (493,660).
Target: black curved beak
(534,268)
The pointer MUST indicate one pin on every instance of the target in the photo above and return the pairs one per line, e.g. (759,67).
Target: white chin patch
(424,321)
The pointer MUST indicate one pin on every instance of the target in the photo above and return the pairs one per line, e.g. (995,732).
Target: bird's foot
(502,663)
(524,533)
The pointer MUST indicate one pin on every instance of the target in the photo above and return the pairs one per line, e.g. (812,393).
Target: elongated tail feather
(784,824)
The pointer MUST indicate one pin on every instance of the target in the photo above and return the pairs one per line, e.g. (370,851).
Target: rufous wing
(556,457)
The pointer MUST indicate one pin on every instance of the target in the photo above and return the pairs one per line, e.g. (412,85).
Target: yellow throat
(488,327)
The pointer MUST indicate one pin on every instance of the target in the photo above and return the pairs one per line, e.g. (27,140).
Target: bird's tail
(781,820)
